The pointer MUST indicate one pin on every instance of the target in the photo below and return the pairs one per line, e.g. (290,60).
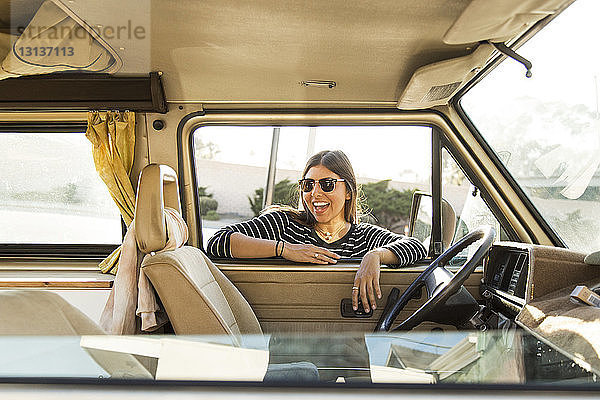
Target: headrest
(157,189)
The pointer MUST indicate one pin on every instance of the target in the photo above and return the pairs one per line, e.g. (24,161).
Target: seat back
(448,223)
(197,296)
(40,312)
(43,313)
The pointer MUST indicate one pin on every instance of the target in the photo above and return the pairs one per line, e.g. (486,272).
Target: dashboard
(505,277)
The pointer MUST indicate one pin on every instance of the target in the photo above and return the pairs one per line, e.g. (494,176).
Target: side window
(545,129)
(390,163)
(50,192)
(470,209)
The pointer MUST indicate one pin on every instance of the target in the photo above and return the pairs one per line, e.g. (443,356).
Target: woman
(325,229)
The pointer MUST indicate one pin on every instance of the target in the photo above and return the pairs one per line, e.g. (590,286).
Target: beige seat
(448,223)
(197,296)
(33,312)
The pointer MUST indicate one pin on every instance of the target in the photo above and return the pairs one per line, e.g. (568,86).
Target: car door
(240,170)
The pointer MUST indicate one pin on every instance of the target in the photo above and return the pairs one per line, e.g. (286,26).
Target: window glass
(301,359)
(471,212)
(50,192)
(546,129)
(465,199)
(390,162)
(231,164)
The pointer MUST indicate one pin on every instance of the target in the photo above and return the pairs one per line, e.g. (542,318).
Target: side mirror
(421,215)
(419,225)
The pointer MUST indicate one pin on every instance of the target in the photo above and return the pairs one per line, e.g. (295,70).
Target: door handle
(347,311)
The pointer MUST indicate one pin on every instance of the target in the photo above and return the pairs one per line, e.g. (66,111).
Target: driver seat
(197,296)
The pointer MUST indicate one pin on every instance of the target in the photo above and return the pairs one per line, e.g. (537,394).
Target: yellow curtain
(113,138)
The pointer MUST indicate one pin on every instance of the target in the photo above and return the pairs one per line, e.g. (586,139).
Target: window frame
(51,250)
(332,117)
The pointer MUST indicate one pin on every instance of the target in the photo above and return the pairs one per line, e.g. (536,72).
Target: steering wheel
(448,301)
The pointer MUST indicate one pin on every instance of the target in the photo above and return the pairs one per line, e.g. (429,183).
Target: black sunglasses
(327,184)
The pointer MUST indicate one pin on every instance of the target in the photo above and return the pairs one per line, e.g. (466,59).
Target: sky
(382,152)
(565,60)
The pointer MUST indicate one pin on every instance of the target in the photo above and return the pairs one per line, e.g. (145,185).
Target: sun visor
(58,40)
(433,84)
(498,21)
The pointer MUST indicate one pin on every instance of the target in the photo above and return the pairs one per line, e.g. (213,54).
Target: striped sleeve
(408,250)
(266,226)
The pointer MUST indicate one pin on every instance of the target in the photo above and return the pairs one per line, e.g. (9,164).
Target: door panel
(299,298)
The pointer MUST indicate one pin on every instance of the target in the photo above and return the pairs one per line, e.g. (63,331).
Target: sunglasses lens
(327,185)
(307,185)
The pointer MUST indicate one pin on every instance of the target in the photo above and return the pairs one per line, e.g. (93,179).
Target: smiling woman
(325,229)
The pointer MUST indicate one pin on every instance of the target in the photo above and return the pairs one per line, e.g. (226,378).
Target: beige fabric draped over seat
(198,298)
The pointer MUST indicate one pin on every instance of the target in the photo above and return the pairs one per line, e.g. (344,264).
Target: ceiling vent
(434,84)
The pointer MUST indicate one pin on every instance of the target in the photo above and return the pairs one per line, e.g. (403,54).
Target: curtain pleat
(112,135)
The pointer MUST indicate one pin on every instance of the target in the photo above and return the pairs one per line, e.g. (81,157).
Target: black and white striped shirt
(360,239)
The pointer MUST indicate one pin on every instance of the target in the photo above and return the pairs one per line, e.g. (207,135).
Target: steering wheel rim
(440,293)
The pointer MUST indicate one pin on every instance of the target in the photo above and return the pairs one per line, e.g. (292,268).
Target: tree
(203,193)
(389,207)
(205,151)
(208,205)
(284,193)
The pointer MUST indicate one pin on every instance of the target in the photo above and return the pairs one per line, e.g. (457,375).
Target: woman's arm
(258,238)
(386,248)
(367,277)
(243,246)
(267,227)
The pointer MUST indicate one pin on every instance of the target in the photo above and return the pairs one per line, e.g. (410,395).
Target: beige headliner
(219,51)
(261,50)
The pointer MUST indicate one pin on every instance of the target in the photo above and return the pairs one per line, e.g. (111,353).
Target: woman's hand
(367,281)
(309,254)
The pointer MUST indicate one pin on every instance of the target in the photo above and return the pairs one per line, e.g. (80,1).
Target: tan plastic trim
(294,268)
(19,276)
(353,119)
(56,284)
(320,269)
(54,116)
(207,104)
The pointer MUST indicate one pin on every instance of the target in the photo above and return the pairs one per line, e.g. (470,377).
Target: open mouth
(320,206)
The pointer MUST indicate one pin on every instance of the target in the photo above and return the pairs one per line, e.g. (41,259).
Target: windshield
(508,357)
(546,129)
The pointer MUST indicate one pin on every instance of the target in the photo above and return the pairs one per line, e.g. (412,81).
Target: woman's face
(326,207)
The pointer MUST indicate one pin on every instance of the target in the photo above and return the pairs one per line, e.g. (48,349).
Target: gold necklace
(328,236)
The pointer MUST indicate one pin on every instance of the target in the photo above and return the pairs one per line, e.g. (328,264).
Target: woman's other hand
(367,282)
(308,253)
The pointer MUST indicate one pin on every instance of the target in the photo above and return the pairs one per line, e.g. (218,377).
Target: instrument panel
(505,276)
